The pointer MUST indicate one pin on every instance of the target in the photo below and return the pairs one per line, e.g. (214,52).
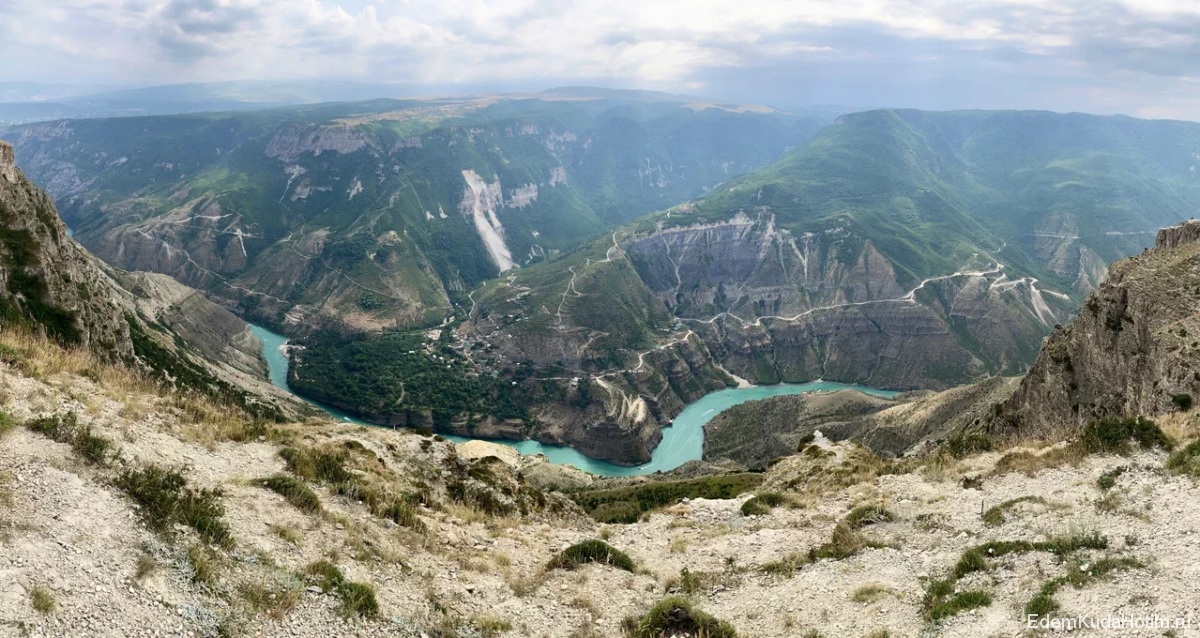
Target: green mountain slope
(380,213)
(895,248)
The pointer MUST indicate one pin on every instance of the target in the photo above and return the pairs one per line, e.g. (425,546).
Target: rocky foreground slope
(370,532)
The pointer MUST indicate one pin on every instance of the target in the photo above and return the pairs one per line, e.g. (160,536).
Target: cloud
(1098,55)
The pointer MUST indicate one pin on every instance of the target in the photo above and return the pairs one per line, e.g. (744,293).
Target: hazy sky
(1138,57)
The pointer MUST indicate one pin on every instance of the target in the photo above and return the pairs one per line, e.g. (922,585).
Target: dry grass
(870,592)
(274,594)
(204,420)
(679,544)
(523,586)
(287,533)
(1030,462)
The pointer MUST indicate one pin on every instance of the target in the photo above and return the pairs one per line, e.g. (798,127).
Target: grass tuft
(762,503)
(593,551)
(1186,461)
(994,516)
(165,499)
(66,429)
(675,616)
(960,602)
(42,599)
(294,491)
(357,598)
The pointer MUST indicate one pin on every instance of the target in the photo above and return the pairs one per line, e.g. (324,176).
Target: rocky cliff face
(53,286)
(1132,350)
(49,281)
(775,307)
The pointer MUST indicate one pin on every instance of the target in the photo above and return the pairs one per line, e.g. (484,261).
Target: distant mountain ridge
(382,213)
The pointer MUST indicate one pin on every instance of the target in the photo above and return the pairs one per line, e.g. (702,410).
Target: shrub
(1109,479)
(358,599)
(762,503)
(1187,460)
(1043,602)
(1182,401)
(275,594)
(325,574)
(1112,435)
(165,499)
(966,444)
(203,565)
(403,513)
(627,504)
(675,616)
(294,491)
(317,465)
(66,429)
(593,551)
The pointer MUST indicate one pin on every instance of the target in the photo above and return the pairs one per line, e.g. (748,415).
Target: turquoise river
(683,441)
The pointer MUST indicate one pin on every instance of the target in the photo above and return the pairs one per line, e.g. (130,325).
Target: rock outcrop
(48,281)
(55,287)
(1132,350)
(757,432)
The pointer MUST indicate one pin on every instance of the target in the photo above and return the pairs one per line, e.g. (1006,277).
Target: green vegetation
(176,371)
(66,429)
(865,515)
(1182,401)
(357,598)
(675,616)
(203,564)
(6,423)
(967,444)
(1109,479)
(165,500)
(593,551)
(941,600)
(393,374)
(628,504)
(1078,576)
(296,492)
(42,598)
(317,464)
(1113,435)
(1186,461)
(762,503)
(958,603)
(994,516)
(26,281)
(328,466)
(274,593)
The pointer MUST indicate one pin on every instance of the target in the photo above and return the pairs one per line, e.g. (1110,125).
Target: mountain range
(616,256)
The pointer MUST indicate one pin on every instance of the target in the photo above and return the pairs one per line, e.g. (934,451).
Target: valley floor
(68,536)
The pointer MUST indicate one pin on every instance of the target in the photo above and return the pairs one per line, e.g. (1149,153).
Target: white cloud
(653,43)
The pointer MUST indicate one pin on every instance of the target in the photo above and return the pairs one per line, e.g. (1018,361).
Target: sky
(1139,57)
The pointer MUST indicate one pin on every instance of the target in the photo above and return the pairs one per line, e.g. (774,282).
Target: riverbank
(682,441)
